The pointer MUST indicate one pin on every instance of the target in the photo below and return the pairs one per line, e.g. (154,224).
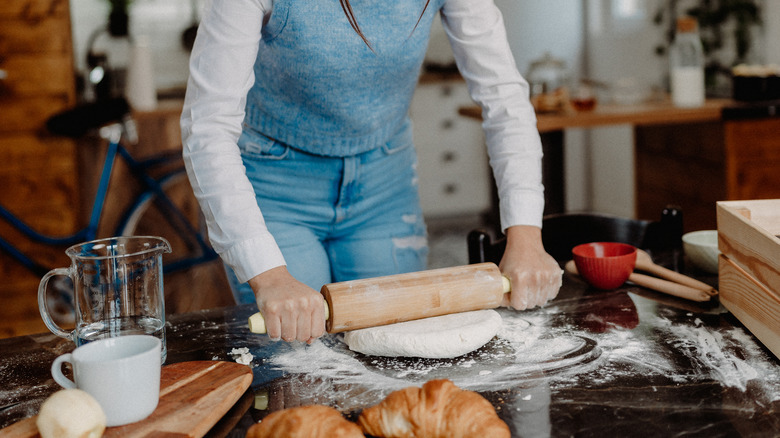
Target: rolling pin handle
(506,283)
(257,322)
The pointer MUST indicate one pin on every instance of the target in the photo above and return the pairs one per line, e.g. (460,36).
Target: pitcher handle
(50,324)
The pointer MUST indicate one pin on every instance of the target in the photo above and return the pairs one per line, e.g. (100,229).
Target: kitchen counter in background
(622,363)
(611,114)
(689,157)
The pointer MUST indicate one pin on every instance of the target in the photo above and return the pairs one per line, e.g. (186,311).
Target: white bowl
(701,248)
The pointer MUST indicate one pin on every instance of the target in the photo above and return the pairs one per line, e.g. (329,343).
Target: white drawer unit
(455,178)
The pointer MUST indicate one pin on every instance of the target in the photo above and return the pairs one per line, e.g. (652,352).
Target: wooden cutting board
(193,397)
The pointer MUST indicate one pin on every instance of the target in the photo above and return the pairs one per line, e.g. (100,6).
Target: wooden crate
(747,234)
(749,266)
(754,304)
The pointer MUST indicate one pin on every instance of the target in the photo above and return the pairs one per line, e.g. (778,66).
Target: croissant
(315,421)
(437,410)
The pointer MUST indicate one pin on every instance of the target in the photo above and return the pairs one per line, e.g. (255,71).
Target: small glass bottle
(140,89)
(686,60)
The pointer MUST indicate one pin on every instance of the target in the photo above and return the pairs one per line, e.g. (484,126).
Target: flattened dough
(438,337)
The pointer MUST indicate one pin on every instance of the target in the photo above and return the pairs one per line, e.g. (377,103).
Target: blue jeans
(338,218)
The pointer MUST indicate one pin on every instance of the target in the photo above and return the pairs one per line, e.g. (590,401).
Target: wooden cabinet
(453,166)
(696,165)
(752,158)
(37,171)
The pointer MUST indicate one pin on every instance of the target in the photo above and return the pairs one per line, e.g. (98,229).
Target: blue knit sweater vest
(320,88)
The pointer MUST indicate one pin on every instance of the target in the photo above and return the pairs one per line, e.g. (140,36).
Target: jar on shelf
(548,78)
(686,62)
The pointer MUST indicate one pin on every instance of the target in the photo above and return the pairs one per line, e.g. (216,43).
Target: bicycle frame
(155,191)
(152,188)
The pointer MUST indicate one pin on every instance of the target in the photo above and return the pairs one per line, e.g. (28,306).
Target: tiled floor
(447,241)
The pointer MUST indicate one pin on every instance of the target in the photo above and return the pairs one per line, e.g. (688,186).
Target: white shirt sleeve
(476,31)
(221,74)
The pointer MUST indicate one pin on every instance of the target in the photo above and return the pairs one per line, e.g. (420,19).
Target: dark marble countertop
(621,363)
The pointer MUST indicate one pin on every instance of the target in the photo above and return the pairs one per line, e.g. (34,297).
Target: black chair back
(562,232)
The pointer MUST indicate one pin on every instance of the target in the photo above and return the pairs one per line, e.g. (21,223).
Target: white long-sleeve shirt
(221,73)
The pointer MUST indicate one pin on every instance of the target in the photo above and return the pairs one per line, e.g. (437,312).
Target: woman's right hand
(292,310)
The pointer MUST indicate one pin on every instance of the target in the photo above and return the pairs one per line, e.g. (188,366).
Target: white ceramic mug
(122,374)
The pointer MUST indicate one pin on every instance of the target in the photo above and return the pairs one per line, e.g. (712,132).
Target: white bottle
(140,89)
(686,60)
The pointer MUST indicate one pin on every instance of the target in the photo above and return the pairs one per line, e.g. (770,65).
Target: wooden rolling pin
(371,302)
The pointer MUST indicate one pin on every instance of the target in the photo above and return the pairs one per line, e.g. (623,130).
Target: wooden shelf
(652,113)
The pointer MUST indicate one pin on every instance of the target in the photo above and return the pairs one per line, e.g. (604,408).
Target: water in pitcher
(131,325)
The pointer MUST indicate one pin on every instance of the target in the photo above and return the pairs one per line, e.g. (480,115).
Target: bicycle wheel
(194,277)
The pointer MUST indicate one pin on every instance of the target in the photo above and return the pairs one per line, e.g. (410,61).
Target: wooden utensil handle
(671,288)
(676,277)
(659,285)
(356,304)
(257,322)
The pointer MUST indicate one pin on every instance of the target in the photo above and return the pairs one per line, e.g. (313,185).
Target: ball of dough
(71,413)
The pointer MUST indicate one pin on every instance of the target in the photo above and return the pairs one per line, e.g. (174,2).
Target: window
(628,10)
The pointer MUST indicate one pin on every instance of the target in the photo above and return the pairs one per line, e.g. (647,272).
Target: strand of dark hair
(353,21)
(347,7)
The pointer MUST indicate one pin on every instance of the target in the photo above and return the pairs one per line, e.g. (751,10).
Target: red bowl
(604,265)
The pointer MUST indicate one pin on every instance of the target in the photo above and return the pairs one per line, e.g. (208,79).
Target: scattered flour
(537,345)
(714,353)
(521,350)
(242,355)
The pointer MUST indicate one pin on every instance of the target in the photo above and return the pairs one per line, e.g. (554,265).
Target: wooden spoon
(645,263)
(660,285)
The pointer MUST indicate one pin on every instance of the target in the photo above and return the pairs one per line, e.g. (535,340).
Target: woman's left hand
(535,275)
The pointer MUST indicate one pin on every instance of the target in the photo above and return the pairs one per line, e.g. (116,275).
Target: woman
(298,109)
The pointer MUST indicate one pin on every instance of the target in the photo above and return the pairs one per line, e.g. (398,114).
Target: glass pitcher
(117,287)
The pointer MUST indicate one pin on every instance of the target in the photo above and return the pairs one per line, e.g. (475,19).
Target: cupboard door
(32,11)
(39,36)
(29,114)
(36,75)
(453,166)
(37,170)
(752,158)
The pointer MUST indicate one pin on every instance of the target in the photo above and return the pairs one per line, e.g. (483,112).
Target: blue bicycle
(162,205)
